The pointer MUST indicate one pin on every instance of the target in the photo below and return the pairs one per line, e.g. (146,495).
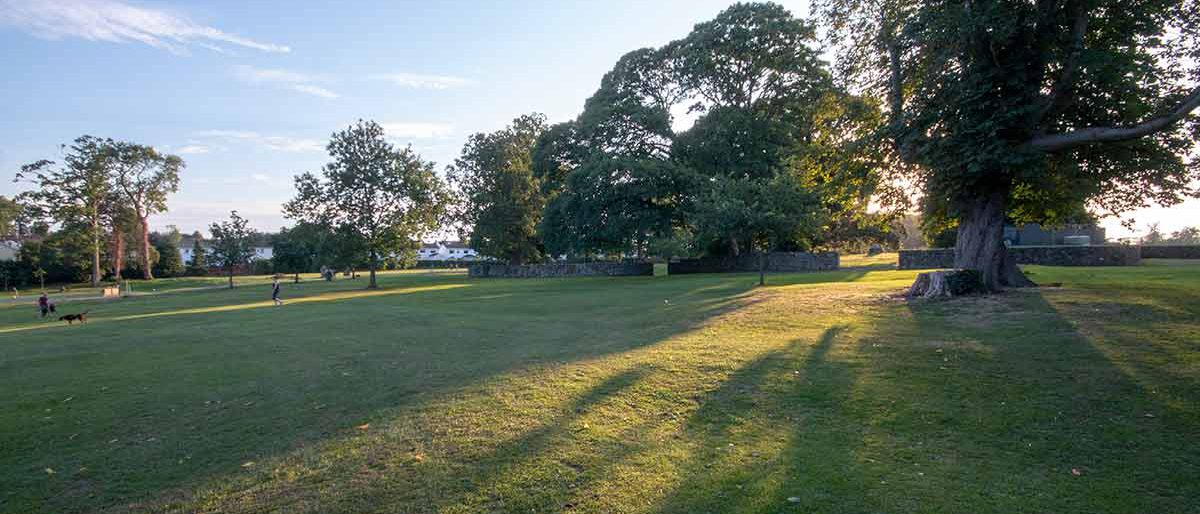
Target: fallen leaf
(363,426)
(1076,472)
(49,471)
(794,499)
(248,464)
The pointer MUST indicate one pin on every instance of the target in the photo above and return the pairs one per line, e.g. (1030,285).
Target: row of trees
(779,156)
(996,111)
(101,191)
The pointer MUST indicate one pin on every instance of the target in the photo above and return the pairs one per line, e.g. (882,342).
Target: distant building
(446,251)
(1032,234)
(262,251)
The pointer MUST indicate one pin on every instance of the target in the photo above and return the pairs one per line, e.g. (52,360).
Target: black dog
(70,318)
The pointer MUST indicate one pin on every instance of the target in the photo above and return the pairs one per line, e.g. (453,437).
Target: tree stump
(947,283)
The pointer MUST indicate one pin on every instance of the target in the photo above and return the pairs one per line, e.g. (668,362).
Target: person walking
(44,304)
(275,292)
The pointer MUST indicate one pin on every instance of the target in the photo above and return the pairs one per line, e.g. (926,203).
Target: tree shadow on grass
(125,412)
(1035,413)
(777,435)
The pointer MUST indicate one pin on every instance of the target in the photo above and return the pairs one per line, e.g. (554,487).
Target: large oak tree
(1026,110)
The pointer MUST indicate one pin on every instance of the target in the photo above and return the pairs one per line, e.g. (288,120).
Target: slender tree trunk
(118,256)
(374,264)
(981,246)
(146,272)
(734,249)
(230,267)
(296,278)
(762,268)
(95,253)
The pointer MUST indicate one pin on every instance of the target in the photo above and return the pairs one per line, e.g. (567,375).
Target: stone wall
(776,261)
(933,258)
(584,269)
(1171,252)
(1107,255)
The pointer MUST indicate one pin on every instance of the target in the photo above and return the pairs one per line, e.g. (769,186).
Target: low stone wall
(933,258)
(1106,255)
(1171,252)
(776,261)
(584,269)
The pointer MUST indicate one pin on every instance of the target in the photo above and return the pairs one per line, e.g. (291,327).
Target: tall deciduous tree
(232,244)
(75,191)
(500,201)
(12,215)
(383,198)
(145,177)
(620,179)
(1016,109)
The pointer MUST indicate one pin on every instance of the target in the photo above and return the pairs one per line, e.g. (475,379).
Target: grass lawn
(822,392)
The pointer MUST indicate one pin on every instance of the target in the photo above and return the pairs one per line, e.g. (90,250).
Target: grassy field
(823,392)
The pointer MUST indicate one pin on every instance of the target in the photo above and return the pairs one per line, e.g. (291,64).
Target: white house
(260,252)
(446,251)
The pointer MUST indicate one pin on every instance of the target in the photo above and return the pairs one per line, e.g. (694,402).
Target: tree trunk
(981,246)
(762,268)
(296,278)
(95,253)
(118,256)
(734,249)
(230,276)
(146,272)
(374,264)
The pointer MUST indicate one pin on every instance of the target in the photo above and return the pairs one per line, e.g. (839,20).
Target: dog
(70,318)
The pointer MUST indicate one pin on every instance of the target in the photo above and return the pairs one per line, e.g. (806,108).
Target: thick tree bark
(981,246)
(147,273)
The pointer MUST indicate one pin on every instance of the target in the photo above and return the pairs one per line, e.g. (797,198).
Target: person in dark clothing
(275,292)
(44,304)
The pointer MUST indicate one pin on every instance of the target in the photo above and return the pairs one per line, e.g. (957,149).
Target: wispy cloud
(116,22)
(316,91)
(417,130)
(422,81)
(276,143)
(193,149)
(294,80)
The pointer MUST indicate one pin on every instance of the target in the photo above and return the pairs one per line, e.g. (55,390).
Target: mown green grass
(822,392)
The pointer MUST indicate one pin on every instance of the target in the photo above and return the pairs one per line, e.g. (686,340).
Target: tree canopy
(621,179)
(500,200)
(381,199)
(1027,110)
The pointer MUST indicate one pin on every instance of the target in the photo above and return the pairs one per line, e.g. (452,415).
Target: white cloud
(416,130)
(277,143)
(193,149)
(316,91)
(421,81)
(302,82)
(116,22)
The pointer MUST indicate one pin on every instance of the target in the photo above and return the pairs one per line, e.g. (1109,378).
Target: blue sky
(248,92)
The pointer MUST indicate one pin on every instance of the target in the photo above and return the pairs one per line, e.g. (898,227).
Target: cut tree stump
(947,283)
